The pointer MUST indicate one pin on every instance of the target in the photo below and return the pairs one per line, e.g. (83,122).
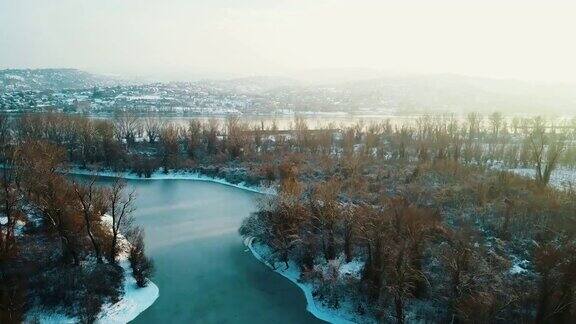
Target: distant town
(74,91)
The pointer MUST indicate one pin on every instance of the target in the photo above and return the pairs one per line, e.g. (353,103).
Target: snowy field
(560,178)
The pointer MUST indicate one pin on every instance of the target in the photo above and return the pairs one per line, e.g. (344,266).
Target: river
(203,270)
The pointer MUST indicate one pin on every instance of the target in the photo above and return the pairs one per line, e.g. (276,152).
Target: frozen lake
(203,270)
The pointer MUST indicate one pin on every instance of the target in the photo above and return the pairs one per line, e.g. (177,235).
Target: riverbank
(133,301)
(292,274)
(342,315)
(179,175)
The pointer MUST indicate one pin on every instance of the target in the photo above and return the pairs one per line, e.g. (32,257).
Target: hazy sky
(533,40)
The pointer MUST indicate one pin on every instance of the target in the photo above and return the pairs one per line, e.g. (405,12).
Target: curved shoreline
(182,175)
(307,289)
(135,301)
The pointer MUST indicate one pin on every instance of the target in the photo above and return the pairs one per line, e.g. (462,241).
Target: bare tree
(349,228)
(142,266)
(153,127)
(545,149)
(10,196)
(193,138)
(326,213)
(170,148)
(10,201)
(211,135)
(38,165)
(127,126)
(91,199)
(121,206)
(302,133)
(235,136)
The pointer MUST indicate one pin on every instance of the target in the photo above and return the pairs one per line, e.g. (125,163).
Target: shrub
(142,266)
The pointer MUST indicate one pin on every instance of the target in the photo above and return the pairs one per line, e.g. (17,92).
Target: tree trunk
(68,251)
(348,247)
(113,248)
(330,249)
(399,305)
(1,238)
(542,304)
(95,244)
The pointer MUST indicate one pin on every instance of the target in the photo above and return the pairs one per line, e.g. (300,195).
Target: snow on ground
(37,316)
(343,315)
(181,175)
(18,228)
(519,267)
(353,268)
(133,301)
(516,269)
(560,178)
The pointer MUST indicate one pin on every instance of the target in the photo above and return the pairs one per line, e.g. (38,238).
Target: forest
(443,230)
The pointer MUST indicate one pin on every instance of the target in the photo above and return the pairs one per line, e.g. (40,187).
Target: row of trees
(146,144)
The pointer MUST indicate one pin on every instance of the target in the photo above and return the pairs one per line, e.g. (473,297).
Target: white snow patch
(133,301)
(37,316)
(518,267)
(353,268)
(560,178)
(342,315)
(18,227)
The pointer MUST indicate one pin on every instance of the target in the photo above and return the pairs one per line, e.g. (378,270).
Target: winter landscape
(287,162)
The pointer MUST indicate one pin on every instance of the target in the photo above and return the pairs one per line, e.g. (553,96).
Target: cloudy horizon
(528,40)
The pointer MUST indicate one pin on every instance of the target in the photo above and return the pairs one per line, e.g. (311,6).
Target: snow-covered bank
(133,301)
(181,175)
(344,314)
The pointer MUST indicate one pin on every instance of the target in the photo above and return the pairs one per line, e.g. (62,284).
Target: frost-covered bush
(142,266)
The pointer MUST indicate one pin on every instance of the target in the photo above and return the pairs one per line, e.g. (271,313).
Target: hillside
(50,79)
(369,94)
